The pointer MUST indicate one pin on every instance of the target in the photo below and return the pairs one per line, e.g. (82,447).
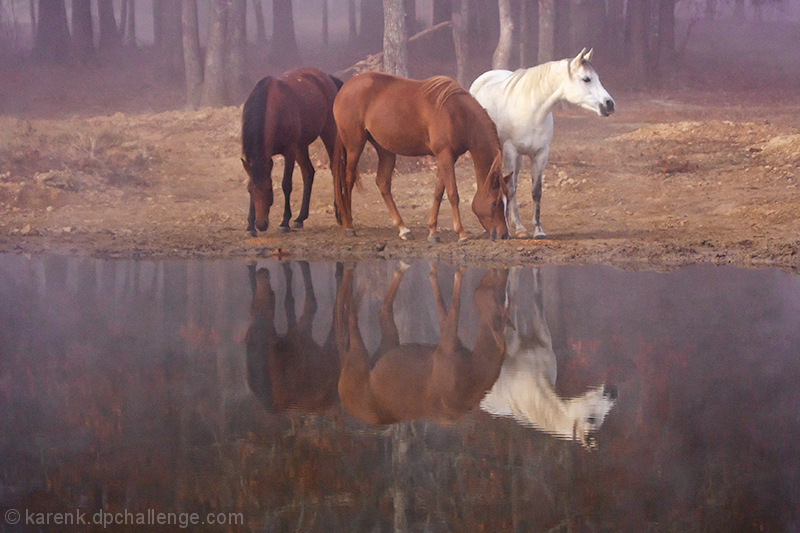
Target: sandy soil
(676,176)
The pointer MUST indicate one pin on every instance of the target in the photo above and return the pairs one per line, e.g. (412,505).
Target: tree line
(637,34)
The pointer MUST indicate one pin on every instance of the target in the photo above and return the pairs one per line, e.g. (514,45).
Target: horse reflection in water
(525,389)
(289,371)
(438,382)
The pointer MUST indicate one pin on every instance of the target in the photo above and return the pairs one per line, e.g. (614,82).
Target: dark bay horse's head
(490,202)
(260,188)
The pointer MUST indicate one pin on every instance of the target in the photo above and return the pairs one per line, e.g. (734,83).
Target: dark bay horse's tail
(339,172)
(336,81)
(253,119)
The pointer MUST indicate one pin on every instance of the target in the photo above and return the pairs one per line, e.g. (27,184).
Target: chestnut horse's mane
(442,88)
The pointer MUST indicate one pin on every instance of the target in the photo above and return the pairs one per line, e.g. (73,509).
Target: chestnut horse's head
(490,203)
(260,188)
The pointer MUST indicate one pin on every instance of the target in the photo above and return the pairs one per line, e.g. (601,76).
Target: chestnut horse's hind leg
(446,179)
(288,170)
(307,169)
(383,178)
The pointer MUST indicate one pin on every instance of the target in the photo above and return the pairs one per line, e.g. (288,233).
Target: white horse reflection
(525,389)
(521,104)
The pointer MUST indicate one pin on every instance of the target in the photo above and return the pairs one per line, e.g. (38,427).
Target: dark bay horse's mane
(253,118)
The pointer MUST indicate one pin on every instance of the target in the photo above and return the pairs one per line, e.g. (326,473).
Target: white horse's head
(583,87)
(588,412)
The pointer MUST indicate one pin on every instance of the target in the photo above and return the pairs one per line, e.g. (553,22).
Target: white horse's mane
(537,80)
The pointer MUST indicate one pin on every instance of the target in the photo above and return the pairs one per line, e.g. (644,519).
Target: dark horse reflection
(289,371)
(438,382)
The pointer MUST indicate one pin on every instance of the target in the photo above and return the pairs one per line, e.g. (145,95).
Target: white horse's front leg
(512,162)
(538,162)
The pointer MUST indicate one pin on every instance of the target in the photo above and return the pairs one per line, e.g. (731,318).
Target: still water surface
(389,397)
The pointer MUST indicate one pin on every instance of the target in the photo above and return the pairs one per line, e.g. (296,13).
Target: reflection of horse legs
(288,169)
(260,334)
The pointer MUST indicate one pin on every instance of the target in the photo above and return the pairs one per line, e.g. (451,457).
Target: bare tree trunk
(52,32)
(502,54)
(157,17)
(371,32)
(411,17)
(616,30)
(666,34)
(547,30)
(325,23)
(109,34)
(32,6)
(352,34)
(191,53)
(395,49)
(284,50)
(237,41)
(82,32)
(441,42)
(640,16)
(460,17)
(129,39)
(170,48)
(214,80)
(261,33)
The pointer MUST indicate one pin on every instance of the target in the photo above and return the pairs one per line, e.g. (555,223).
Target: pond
(386,396)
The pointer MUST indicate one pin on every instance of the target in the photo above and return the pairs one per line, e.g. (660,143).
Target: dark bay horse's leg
(307,170)
(288,161)
(309,302)
(386,162)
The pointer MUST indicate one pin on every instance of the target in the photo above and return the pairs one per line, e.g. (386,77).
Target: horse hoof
(350,233)
(252,232)
(297,224)
(539,236)
(407,235)
(283,229)
(462,240)
(434,239)
(522,235)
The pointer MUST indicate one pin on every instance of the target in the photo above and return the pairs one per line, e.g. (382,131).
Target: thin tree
(502,54)
(109,34)
(128,23)
(82,32)
(191,53)
(371,27)
(261,33)
(547,30)
(213,93)
(666,34)
(325,23)
(284,51)
(395,49)
(460,18)
(639,13)
(236,44)
(352,33)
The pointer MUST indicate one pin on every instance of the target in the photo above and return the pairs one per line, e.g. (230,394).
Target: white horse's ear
(575,64)
(588,55)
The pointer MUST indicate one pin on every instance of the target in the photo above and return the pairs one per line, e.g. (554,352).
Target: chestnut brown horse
(289,371)
(439,382)
(282,116)
(414,118)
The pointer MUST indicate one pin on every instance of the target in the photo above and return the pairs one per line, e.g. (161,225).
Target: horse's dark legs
(307,169)
(310,301)
(383,178)
(251,220)
(288,170)
(288,301)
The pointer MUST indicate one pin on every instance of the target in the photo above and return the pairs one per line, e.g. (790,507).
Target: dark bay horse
(414,118)
(289,371)
(440,382)
(282,116)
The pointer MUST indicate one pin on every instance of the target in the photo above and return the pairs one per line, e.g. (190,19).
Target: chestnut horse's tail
(253,121)
(339,171)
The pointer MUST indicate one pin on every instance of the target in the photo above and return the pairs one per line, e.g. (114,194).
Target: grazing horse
(438,382)
(525,390)
(289,371)
(282,116)
(521,105)
(415,118)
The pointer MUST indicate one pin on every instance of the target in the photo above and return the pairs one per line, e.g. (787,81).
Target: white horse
(521,104)
(524,391)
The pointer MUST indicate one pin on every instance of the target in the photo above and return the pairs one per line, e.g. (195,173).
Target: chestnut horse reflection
(409,381)
(525,390)
(282,116)
(415,118)
(289,371)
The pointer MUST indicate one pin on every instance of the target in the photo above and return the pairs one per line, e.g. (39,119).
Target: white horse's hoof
(522,235)
(539,236)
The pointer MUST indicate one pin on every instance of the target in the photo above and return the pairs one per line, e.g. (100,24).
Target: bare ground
(676,176)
